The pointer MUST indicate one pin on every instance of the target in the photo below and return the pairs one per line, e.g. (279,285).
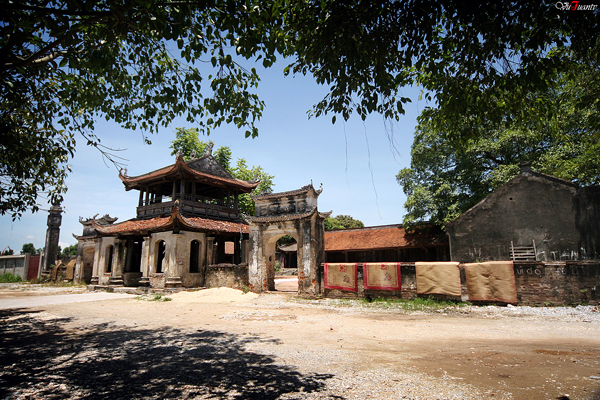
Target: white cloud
(29,237)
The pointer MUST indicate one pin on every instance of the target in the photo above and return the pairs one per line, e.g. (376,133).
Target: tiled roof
(214,225)
(289,248)
(302,190)
(280,218)
(131,182)
(158,224)
(381,237)
(135,225)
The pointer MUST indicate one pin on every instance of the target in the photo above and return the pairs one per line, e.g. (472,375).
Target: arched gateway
(291,213)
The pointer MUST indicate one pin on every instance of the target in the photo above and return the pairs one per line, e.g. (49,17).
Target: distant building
(386,243)
(377,243)
(533,216)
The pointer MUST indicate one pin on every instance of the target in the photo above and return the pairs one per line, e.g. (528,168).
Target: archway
(273,259)
(291,213)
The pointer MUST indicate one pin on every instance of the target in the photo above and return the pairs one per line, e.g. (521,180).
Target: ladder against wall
(523,253)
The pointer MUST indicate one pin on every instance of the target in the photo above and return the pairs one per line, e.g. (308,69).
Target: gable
(521,192)
(209,165)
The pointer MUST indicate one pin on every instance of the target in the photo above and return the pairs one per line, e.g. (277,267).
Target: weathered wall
(538,283)
(15,264)
(558,283)
(263,242)
(562,218)
(587,220)
(227,275)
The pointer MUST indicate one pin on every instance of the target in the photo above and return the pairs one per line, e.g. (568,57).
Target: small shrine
(187,219)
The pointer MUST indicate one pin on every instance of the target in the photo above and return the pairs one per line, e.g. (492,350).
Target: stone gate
(292,213)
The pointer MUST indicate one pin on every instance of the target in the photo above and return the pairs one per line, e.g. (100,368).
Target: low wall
(227,275)
(15,264)
(547,283)
(538,283)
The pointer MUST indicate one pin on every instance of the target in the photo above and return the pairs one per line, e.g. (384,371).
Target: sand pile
(214,295)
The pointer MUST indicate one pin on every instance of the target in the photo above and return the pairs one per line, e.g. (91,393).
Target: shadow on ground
(39,358)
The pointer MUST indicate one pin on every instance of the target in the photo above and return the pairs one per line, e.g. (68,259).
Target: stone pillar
(79,263)
(210,243)
(96,267)
(116,278)
(257,274)
(176,256)
(52,236)
(144,263)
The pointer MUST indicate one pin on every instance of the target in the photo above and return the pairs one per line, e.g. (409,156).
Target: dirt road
(221,344)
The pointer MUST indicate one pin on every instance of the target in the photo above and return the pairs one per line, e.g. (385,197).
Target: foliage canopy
(29,248)
(445,180)
(342,222)
(141,64)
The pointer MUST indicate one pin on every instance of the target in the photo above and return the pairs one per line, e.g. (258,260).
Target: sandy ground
(221,343)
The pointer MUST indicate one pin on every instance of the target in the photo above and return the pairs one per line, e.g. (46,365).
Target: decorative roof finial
(193,156)
(179,153)
(209,149)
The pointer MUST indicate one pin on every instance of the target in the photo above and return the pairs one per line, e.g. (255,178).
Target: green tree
(254,173)
(70,250)
(29,248)
(445,180)
(342,222)
(62,65)
(187,141)
(65,64)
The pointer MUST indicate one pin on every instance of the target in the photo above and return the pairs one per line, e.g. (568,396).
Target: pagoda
(187,219)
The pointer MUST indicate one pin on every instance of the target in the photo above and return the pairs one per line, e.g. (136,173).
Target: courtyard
(223,344)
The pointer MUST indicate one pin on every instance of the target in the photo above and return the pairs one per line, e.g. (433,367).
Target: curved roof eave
(180,166)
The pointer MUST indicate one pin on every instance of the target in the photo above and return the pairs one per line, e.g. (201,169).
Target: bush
(8,278)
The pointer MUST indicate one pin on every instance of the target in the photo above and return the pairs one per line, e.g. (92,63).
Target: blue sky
(358,179)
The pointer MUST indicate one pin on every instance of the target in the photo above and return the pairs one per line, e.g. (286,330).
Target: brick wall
(570,282)
(538,283)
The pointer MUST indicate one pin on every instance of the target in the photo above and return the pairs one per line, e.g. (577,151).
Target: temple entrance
(273,264)
(291,213)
